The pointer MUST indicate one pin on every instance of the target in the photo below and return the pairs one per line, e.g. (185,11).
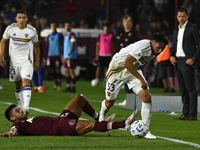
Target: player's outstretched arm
(2,49)
(11,132)
(37,55)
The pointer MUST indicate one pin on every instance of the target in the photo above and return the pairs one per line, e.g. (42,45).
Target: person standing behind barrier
(124,37)
(185,57)
(104,51)
(54,47)
(166,69)
(69,58)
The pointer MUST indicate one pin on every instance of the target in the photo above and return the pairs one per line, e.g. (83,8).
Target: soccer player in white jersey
(23,40)
(125,68)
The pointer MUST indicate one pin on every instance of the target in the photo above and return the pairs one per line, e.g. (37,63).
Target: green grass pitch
(173,134)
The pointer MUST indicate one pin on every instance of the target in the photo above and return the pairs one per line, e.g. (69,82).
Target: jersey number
(111,87)
(12,71)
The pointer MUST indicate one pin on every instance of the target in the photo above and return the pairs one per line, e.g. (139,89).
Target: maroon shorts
(67,123)
(55,62)
(71,63)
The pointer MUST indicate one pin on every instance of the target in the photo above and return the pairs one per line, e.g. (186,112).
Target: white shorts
(113,86)
(19,72)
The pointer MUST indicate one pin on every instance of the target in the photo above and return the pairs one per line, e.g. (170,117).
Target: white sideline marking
(165,138)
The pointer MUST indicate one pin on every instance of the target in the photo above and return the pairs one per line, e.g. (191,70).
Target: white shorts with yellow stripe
(114,84)
(17,73)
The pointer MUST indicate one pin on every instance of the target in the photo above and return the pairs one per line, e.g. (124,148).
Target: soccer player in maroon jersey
(67,123)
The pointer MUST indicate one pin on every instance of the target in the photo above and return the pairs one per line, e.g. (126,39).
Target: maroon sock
(108,125)
(88,109)
(73,83)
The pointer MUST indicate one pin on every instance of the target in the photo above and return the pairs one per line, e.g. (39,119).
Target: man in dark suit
(184,55)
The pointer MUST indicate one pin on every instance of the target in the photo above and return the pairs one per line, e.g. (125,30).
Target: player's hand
(173,60)
(190,61)
(2,61)
(36,65)
(143,84)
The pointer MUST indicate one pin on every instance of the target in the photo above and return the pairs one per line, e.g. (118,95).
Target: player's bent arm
(2,51)
(37,55)
(11,132)
(128,64)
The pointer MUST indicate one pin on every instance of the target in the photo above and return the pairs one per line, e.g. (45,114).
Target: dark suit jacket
(191,43)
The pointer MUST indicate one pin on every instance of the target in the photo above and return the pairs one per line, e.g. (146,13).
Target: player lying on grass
(67,123)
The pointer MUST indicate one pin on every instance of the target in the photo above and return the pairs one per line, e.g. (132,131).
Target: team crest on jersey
(26,35)
(130,34)
(72,122)
(139,54)
(108,93)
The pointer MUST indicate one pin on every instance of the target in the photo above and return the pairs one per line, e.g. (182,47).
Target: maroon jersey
(42,125)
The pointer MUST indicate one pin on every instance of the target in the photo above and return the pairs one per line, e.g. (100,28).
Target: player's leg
(67,78)
(144,94)
(40,78)
(19,93)
(26,74)
(84,126)
(113,87)
(79,104)
(58,73)
(73,79)
(53,70)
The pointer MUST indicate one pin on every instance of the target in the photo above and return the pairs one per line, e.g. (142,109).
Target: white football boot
(150,136)
(130,120)
(111,118)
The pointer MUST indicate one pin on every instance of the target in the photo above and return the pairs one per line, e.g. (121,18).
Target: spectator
(104,51)
(90,18)
(188,5)
(69,58)
(166,69)
(70,9)
(54,47)
(101,14)
(82,24)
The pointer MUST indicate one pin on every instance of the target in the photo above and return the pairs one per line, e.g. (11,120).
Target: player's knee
(147,98)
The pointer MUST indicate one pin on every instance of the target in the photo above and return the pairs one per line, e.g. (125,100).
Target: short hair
(8,111)
(182,9)
(106,24)
(160,37)
(68,21)
(21,11)
(127,16)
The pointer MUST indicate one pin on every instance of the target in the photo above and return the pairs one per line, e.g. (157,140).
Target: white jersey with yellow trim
(140,50)
(21,44)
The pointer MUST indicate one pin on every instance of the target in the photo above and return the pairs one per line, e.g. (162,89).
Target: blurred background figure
(101,14)
(69,58)
(54,48)
(166,69)
(38,74)
(104,52)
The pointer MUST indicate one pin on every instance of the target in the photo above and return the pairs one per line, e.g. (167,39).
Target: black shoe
(166,90)
(67,91)
(172,90)
(72,91)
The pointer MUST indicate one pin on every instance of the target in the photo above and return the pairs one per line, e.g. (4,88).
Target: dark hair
(127,16)
(68,21)
(182,9)
(8,111)
(160,37)
(106,24)
(21,11)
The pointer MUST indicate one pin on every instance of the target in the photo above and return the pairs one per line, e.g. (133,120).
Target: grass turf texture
(162,124)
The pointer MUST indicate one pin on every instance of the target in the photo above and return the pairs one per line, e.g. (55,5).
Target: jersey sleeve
(135,51)
(35,37)
(6,34)
(72,37)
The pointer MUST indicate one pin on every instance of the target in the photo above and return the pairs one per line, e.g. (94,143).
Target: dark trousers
(185,77)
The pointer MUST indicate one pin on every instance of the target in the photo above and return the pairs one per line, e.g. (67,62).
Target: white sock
(19,96)
(146,112)
(27,96)
(104,109)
